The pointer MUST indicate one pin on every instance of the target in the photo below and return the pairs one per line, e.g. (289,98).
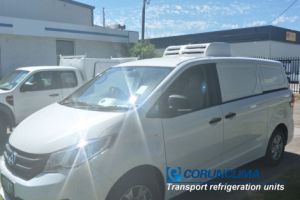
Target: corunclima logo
(177,174)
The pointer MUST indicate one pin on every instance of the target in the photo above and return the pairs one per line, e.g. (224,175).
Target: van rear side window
(272,77)
(238,80)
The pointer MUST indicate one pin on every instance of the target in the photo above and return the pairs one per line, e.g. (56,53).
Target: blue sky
(177,17)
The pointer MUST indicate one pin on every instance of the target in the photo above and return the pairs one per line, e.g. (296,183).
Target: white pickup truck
(29,89)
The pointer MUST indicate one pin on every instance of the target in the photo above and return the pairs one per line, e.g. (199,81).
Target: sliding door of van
(193,136)
(244,112)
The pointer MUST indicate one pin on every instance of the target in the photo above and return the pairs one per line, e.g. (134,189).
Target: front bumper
(77,184)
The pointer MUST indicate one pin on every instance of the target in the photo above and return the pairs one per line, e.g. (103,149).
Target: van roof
(38,68)
(174,61)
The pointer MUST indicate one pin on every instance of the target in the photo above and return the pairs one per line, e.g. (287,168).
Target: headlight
(76,155)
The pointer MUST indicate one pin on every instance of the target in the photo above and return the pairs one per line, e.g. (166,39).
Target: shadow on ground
(290,161)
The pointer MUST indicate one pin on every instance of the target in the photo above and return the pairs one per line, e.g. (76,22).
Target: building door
(64,48)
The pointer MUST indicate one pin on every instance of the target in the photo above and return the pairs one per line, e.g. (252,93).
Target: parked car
(196,107)
(29,89)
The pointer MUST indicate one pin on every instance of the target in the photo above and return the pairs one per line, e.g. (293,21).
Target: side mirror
(27,87)
(179,103)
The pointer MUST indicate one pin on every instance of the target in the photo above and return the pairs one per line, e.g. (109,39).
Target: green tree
(143,50)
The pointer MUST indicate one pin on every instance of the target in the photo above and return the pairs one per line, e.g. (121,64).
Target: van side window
(198,84)
(68,79)
(46,80)
(238,80)
(272,77)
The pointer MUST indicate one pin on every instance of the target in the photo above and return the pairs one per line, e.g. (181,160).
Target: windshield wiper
(74,103)
(80,104)
(115,107)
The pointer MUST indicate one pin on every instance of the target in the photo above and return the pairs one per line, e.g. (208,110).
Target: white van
(29,89)
(196,107)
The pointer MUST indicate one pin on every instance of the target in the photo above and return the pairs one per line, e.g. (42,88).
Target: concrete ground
(290,161)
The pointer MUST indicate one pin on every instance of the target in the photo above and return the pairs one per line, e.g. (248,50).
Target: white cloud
(230,26)
(283,19)
(195,9)
(250,24)
(164,34)
(256,23)
(176,24)
(173,19)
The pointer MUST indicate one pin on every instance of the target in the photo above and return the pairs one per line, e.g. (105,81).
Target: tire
(275,148)
(128,188)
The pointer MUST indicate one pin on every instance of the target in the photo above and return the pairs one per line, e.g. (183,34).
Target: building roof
(79,4)
(260,33)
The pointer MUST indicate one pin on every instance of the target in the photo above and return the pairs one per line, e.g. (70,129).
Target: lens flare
(82,143)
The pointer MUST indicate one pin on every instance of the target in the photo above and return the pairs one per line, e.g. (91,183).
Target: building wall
(48,10)
(29,27)
(96,49)
(18,51)
(21,51)
(268,49)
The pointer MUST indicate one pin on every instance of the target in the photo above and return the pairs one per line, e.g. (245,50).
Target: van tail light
(292,102)
(10,100)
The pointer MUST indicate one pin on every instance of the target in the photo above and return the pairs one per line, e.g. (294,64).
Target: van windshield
(13,79)
(117,88)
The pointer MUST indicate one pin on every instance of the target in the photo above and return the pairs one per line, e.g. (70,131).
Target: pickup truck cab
(116,137)
(29,89)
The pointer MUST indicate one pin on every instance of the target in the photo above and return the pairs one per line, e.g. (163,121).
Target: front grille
(22,164)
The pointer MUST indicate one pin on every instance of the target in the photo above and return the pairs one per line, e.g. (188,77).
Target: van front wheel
(276,147)
(136,188)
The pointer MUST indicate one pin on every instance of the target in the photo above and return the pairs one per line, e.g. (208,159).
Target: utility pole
(103,16)
(143,18)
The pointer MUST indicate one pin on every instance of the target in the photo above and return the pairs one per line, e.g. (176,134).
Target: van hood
(56,127)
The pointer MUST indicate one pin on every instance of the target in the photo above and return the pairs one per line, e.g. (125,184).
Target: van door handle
(215,120)
(230,115)
(54,95)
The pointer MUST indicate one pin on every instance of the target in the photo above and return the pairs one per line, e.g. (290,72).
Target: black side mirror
(27,87)
(179,103)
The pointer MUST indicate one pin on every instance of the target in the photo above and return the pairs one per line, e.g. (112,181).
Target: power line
(284,11)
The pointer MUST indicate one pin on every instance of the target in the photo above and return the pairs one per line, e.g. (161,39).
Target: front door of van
(193,136)
(39,90)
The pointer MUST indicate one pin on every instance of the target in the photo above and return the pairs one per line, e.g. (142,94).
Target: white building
(36,32)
